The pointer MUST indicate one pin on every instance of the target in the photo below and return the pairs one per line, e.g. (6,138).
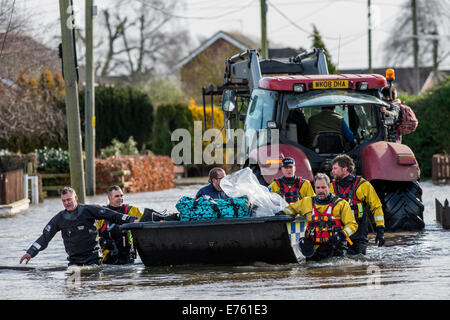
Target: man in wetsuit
(117,245)
(77,226)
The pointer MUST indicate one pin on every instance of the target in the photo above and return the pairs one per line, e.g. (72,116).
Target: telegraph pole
(415,47)
(369,36)
(264,49)
(435,40)
(90,101)
(72,107)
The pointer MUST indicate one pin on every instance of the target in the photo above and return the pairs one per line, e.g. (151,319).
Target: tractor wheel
(402,205)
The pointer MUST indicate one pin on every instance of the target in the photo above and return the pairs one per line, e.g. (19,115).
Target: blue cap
(287,162)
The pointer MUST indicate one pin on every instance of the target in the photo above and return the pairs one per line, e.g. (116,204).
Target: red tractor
(279,98)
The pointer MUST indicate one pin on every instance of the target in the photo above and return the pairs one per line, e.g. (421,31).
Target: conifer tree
(317,42)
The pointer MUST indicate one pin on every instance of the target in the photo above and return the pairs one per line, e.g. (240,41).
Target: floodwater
(412,265)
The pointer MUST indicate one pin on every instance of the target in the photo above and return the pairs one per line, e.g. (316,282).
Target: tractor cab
(323,116)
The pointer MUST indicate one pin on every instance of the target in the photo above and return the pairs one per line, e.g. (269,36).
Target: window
(261,110)
(358,110)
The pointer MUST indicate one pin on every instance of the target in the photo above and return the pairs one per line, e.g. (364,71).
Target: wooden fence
(443,213)
(54,181)
(11,186)
(441,168)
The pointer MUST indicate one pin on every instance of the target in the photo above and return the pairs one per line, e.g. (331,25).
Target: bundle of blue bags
(204,208)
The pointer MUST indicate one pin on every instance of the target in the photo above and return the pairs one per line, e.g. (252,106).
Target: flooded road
(412,265)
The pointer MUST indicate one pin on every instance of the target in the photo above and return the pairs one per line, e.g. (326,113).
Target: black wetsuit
(79,232)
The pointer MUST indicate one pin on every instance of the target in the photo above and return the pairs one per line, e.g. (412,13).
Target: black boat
(229,241)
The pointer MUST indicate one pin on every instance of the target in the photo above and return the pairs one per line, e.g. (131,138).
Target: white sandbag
(244,182)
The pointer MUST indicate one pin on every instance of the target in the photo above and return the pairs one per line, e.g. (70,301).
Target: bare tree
(12,19)
(33,112)
(433,25)
(138,38)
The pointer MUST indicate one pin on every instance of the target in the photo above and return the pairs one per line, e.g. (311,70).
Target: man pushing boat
(77,225)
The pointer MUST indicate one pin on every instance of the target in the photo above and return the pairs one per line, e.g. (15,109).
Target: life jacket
(124,209)
(290,194)
(323,225)
(123,245)
(349,194)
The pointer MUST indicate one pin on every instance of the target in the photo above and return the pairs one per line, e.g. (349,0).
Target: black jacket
(78,231)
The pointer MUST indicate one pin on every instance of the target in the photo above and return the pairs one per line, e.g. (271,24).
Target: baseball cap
(287,162)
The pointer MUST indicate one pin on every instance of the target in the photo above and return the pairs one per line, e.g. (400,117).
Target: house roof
(240,41)
(22,53)
(219,35)
(433,79)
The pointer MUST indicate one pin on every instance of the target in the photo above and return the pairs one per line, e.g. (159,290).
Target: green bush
(432,135)
(118,148)
(51,160)
(121,112)
(162,91)
(168,118)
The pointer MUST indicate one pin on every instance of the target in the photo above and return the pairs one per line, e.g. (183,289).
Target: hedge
(120,112)
(168,118)
(432,135)
(181,116)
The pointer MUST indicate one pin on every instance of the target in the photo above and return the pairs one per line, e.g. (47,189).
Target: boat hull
(233,241)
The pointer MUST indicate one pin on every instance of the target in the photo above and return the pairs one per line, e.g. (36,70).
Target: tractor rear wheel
(402,205)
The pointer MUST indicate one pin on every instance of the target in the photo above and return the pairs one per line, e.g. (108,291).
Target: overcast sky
(342,23)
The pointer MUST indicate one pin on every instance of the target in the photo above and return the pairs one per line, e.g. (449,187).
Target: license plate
(330,84)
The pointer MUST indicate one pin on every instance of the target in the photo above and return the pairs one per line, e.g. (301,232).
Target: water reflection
(411,265)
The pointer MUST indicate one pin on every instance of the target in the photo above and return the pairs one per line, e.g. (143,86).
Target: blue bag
(202,208)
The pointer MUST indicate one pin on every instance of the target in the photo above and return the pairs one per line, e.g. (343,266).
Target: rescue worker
(330,220)
(77,225)
(399,118)
(363,200)
(213,189)
(329,121)
(389,94)
(291,187)
(117,245)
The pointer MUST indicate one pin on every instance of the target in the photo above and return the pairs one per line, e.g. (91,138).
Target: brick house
(205,65)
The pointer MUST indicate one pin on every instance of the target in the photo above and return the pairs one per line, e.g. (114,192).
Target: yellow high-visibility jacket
(305,191)
(341,211)
(366,193)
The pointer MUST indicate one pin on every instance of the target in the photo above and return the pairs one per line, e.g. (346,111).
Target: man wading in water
(77,226)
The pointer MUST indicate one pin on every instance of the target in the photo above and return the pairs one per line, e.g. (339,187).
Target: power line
(304,30)
(196,18)
(288,19)
(316,11)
